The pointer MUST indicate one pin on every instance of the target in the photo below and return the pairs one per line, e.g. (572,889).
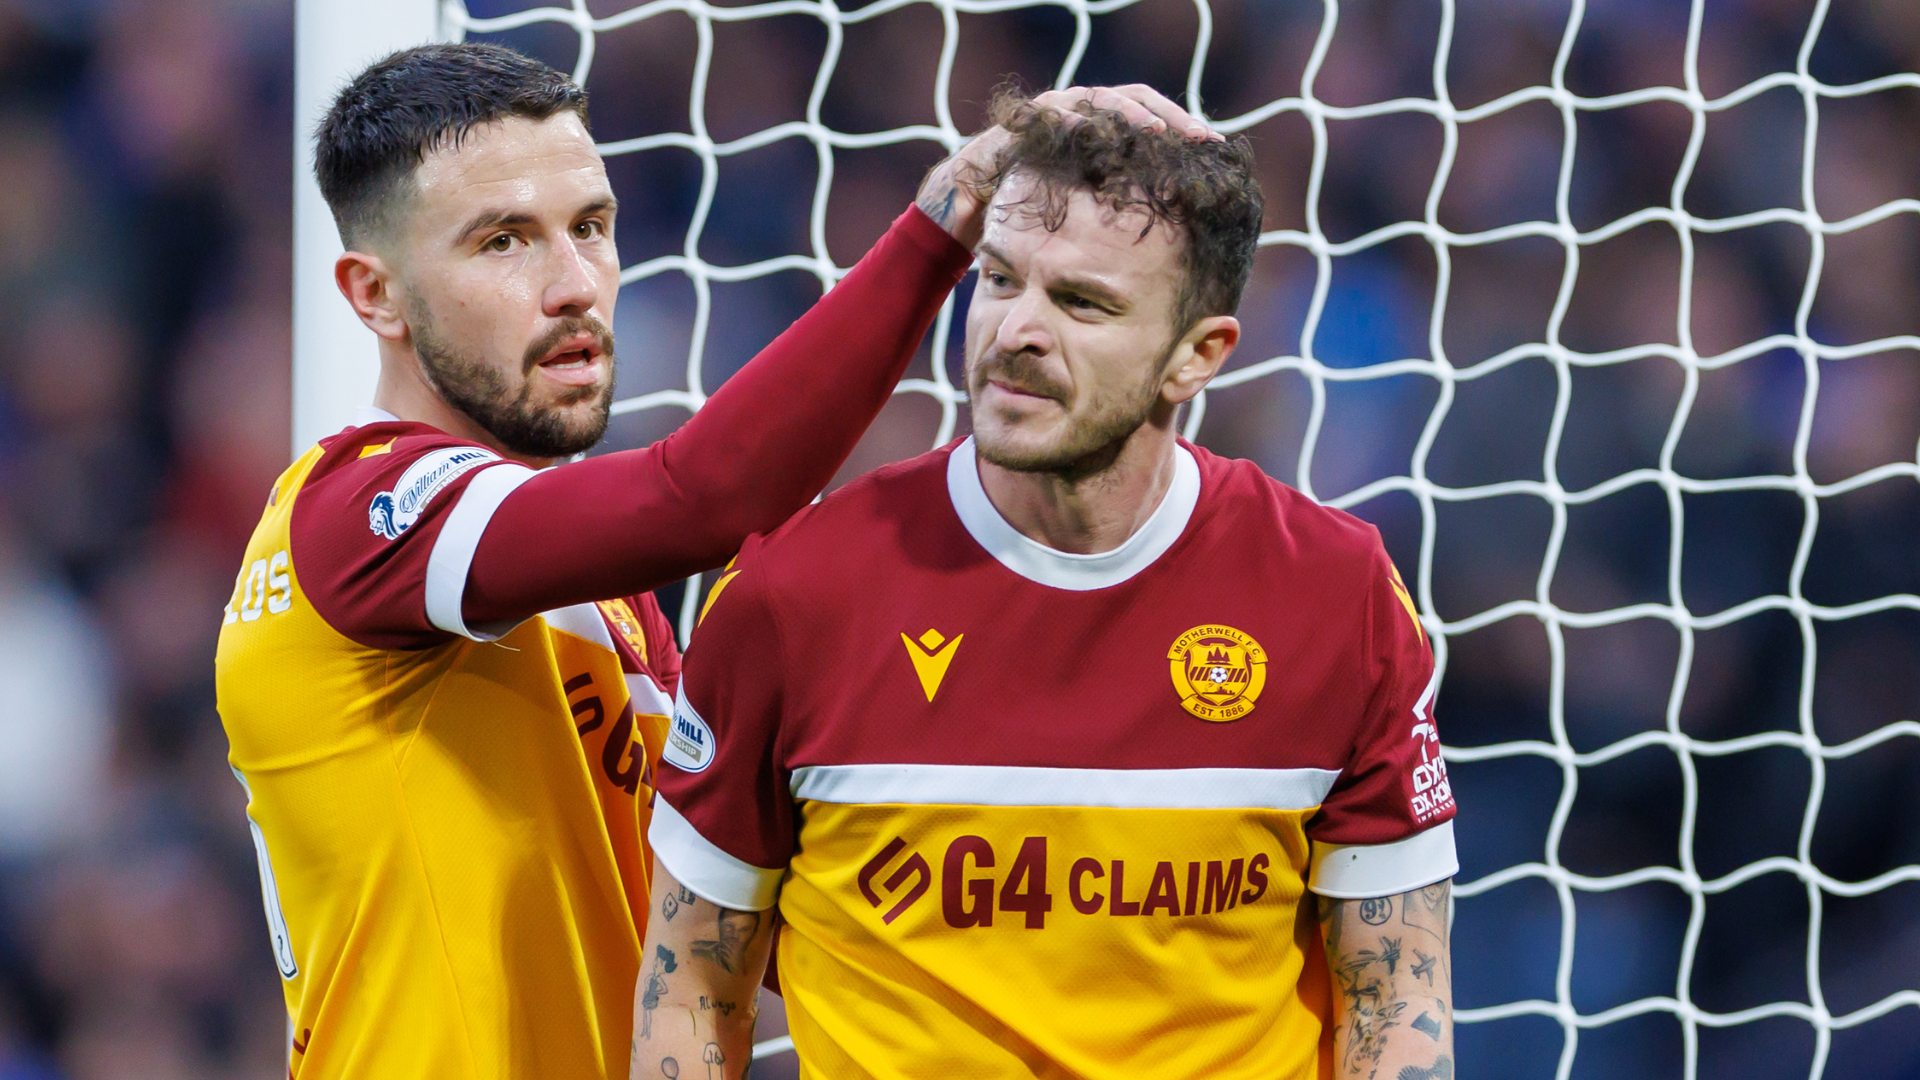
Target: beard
(1088,441)
(478,389)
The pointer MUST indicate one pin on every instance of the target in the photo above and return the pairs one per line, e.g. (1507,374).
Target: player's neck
(405,392)
(1092,513)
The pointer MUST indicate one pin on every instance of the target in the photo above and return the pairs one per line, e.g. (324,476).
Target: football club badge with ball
(1218,672)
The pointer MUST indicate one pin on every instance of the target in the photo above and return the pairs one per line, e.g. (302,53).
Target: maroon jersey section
(873,628)
(362,557)
(362,550)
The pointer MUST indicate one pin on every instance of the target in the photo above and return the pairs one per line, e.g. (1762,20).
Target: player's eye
(589,230)
(500,242)
(998,280)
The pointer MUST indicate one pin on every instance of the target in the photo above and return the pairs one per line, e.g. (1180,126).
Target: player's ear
(368,284)
(1199,356)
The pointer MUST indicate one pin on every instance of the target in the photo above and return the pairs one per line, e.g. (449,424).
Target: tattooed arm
(695,1003)
(1393,985)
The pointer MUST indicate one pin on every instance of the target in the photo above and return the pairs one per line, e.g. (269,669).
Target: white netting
(1561,230)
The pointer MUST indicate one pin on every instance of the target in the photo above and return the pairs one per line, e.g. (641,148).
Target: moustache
(1021,371)
(567,327)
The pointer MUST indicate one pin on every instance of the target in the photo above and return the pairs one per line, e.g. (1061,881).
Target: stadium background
(146,149)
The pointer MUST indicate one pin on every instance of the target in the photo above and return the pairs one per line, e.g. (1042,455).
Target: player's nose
(1024,328)
(572,288)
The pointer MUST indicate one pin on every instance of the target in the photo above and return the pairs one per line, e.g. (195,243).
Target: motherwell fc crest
(1218,672)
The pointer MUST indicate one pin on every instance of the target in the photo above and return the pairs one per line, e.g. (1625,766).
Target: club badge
(1218,672)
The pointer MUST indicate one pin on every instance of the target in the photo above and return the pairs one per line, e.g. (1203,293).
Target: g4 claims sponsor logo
(623,758)
(971,892)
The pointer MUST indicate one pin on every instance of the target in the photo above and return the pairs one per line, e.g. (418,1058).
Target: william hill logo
(689,739)
(1218,672)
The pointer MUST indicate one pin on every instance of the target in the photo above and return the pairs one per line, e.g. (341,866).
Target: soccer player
(443,681)
(1049,746)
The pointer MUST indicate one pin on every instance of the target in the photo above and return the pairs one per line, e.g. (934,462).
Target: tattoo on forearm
(664,964)
(670,1068)
(1422,967)
(1439,1070)
(1373,1009)
(712,1056)
(724,1008)
(1425,913)
(728,947)
(1389,955)
(671,903)
(1366,945)
(938,203)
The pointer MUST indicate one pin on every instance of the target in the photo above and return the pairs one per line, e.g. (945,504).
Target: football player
(1069,749)
(442,676)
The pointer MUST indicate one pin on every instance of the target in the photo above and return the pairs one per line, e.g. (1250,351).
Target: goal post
(335,361)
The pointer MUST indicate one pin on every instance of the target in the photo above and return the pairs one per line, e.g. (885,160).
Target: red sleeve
(763,446)
(663,648)
(1395,783)
(723,823)
(368,520)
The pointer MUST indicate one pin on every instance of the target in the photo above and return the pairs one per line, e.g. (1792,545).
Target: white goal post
(333,372)
(335,361)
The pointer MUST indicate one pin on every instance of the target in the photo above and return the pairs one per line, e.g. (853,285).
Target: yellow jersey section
(1094,942)
(450,838)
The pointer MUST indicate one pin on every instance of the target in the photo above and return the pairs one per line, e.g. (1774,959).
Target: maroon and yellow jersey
(1028,813)
(450,820)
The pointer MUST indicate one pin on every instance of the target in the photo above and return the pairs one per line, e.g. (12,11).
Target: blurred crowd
(146,155)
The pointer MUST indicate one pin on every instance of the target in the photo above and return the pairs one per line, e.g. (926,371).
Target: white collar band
(372,414)
(1060,569)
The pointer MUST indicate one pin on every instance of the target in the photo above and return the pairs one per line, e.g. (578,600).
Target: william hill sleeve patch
(393,512)
(689,740)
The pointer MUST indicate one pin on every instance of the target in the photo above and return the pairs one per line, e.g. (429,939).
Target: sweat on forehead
(1025,201)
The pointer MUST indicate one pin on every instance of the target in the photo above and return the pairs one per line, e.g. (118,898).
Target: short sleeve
(1386,827)
(723,821)
(385,528)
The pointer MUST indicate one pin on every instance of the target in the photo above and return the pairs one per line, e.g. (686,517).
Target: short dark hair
(1206,189)
(416,101)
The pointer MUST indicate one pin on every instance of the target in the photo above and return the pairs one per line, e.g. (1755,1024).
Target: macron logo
(689,740)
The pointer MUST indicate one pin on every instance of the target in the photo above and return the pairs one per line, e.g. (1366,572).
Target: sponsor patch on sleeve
(689,740)
(394,512)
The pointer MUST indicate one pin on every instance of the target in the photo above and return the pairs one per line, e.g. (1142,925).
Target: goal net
(1595,309)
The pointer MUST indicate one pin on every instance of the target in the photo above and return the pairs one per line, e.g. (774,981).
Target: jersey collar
(1060,569)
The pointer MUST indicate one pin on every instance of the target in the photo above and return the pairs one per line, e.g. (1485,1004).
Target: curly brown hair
(1206,189)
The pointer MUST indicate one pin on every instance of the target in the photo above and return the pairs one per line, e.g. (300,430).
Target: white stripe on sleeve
(1360,871)
(711,873)
(453,550)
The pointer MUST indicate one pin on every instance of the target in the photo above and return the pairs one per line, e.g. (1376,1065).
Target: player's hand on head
(1140,104)
(954,195)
